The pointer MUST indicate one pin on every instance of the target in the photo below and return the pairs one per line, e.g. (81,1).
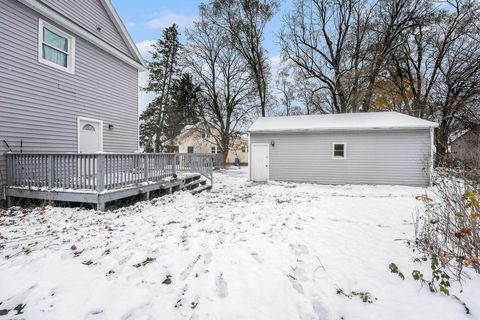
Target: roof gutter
(343,129)
(69,25)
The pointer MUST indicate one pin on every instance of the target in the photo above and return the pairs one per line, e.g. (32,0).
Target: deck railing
(202,163)
(100,171)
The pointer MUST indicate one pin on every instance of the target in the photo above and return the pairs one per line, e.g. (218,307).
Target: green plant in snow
(394,269)
(365,297)
(440,281)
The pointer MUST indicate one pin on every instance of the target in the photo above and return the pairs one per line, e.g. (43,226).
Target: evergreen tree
(183,107)
(163,72)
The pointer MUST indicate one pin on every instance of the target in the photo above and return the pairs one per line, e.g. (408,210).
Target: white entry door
(90,135)
(260,161)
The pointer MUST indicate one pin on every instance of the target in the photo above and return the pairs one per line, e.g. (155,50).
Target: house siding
(91,14)
(373,157)
(40,104)
(201,145)
(467,148)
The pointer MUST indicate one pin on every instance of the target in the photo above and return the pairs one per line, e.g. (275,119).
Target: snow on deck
(342,121)
(242,251)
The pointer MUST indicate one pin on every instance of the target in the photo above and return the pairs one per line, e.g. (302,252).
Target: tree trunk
(442,134)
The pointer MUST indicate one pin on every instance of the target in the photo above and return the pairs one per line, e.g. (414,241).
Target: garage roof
(341,121)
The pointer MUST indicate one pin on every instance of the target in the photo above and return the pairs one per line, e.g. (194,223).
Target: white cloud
(167,19)
(275,64)
(144,47)
(130,24)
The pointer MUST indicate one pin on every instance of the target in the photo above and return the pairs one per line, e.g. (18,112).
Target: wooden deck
(102,178)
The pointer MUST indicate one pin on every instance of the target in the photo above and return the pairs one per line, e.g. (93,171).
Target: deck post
(145,168)
(146,196)
(100,175)
(10,202)
(9,169)
(51,168)
(101,206)
(174,164)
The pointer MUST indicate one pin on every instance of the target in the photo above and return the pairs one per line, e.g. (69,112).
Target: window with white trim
(55,47)
(339,150)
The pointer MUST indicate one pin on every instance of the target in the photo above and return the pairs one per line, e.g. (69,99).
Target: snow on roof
(343,121)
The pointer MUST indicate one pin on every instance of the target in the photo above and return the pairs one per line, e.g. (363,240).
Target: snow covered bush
(449,227)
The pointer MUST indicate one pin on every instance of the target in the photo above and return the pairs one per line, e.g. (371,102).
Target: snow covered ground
(242,251)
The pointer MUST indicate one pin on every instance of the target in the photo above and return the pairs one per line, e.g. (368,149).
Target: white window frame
(79,129)
(216,149)
(71,47)
(344,150)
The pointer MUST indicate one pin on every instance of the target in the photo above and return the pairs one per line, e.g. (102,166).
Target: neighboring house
(201,139)
(361,148)
(466,147)
(69,75)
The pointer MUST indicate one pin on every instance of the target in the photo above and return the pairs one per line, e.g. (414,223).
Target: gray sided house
(361,148)
(68,79)
(466,148)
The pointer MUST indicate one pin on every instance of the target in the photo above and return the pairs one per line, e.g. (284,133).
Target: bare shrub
(449,227)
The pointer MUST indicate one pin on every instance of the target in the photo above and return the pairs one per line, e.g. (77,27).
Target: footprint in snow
(322,311)
(294,282)
(185,273)
(222,286)
(139,313)
(207,258)
(300,273)
(257,257)
(95,314)
(299,249)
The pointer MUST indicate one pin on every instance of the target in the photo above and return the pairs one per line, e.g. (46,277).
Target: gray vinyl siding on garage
(91,14)
(40,104)
(372,157)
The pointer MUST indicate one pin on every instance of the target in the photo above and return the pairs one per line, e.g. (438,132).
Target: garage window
(339,150)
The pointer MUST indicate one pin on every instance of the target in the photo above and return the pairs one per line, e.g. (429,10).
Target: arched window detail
(88,127)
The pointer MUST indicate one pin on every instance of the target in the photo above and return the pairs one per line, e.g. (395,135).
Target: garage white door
(260,161)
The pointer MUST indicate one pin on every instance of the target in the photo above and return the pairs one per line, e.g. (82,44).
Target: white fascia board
(122,29)
(339,129)
(69,25)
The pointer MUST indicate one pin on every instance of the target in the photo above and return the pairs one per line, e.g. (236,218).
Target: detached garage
(355,148)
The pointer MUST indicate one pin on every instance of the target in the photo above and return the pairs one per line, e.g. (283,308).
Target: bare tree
(435,67)
(245,22)
(457,92)
(219,69)
(309,95)
(325,39)
(416,64)
(346,44)
(287,93)
(391,19)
